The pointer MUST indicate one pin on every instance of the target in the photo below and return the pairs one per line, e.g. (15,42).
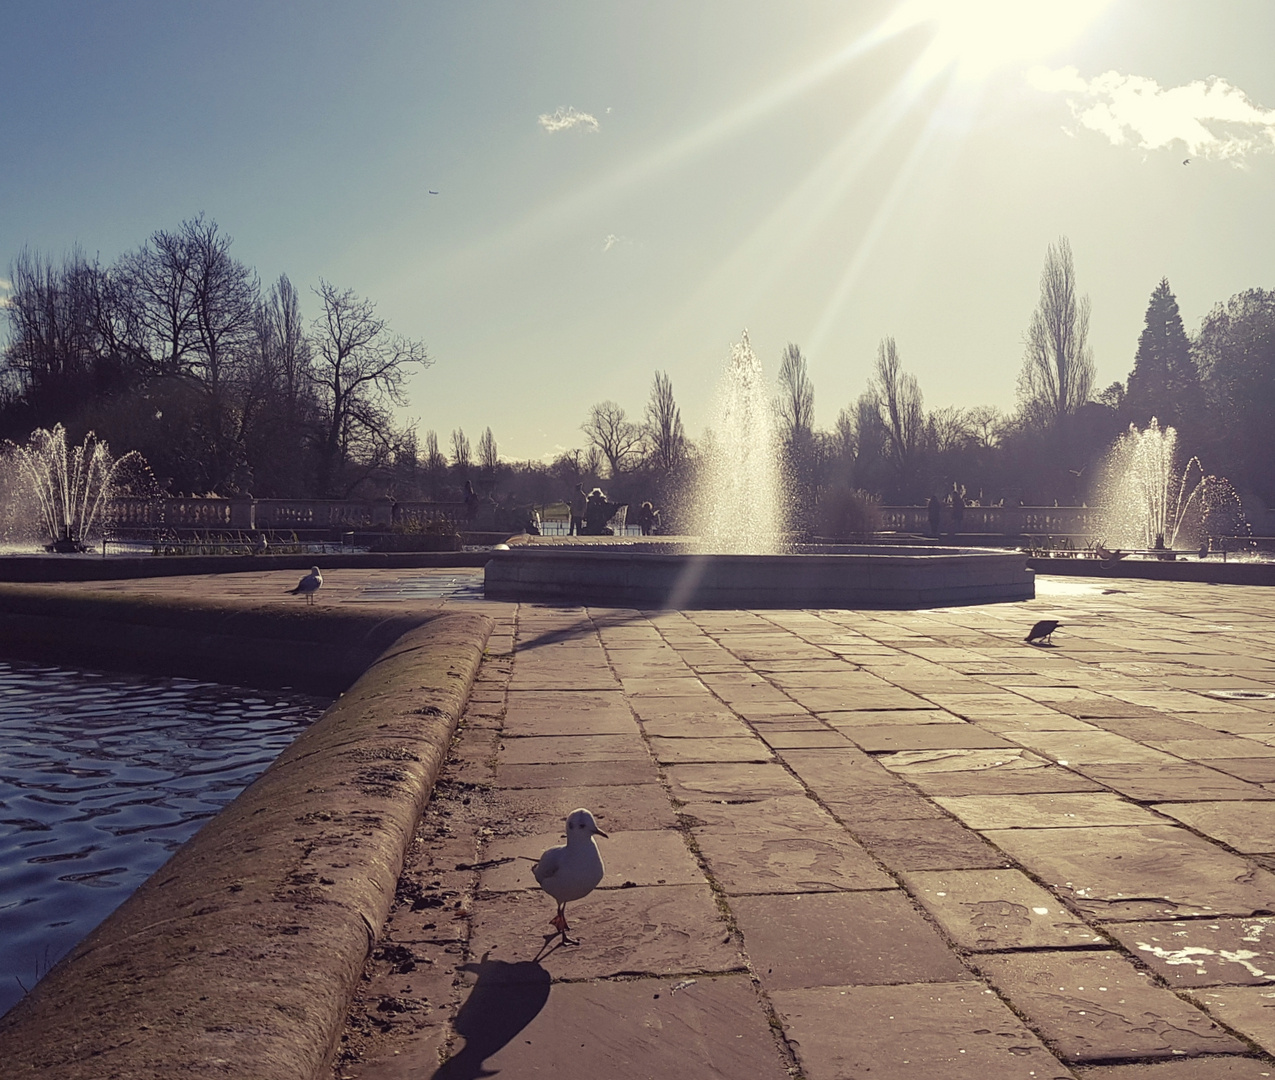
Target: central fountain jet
(741,557)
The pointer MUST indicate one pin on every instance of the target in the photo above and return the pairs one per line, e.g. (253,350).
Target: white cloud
(610,240)
(563,119)
(5,286)
(1209,117)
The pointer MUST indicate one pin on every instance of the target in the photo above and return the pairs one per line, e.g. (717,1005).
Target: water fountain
(1149,504)
(741,558)
(737,504)
(65,490)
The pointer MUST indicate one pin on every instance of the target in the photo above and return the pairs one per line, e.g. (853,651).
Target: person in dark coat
(598,513)
(935,510)
(578,503)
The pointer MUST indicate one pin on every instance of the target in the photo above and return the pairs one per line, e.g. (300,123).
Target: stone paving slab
(1246,827)
(1210,1068)
(659,930)
(883,738)
(993,910)
(840,939)
(1250,1010)
(788,860)
(1052,810)
(1204,952)
(1089,748)
(954,1030)
(708,1028)
(1097,1006)
(617,808)
(1132,873)
(927,844)
(580,773)
(730,781)
(791,812)
(742,748)
(1173,781)
(570,749)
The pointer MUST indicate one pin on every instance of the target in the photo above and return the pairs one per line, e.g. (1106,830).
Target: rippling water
(102,777)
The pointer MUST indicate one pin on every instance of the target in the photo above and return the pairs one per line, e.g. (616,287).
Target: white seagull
(308,585)
(572,871)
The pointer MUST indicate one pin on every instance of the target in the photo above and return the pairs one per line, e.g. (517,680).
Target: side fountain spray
(1147,503)
(69,488)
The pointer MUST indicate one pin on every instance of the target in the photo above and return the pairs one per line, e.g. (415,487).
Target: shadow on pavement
(504,1000)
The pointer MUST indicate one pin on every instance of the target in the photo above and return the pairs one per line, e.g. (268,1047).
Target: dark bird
(433,192)
(1043,631)
(1186,161)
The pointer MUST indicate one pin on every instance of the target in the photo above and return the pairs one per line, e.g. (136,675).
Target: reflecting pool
(102,777)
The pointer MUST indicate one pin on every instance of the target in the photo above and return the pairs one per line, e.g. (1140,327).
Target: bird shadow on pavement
(504,1000)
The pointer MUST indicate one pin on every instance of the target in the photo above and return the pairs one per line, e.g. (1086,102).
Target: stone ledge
(239,956)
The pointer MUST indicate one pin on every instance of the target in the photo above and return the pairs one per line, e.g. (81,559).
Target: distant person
(958,507)
(579,501)
(598,513)
(648,519)
(934,509)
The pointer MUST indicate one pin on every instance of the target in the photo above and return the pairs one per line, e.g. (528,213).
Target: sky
(624,188)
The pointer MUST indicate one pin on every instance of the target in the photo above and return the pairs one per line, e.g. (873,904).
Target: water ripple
(102,778)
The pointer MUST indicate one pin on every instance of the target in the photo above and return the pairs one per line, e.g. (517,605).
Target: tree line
(176,350)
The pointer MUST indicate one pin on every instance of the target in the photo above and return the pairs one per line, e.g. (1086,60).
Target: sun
(974,38)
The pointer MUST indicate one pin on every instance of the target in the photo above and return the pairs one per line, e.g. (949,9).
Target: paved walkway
(853,844)
(847,844)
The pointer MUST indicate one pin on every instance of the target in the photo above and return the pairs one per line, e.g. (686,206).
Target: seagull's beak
(599,832)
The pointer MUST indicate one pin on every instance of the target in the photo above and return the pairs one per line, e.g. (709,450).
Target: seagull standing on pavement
(572,871)
(308,585)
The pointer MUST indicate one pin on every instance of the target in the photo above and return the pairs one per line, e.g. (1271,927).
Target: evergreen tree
(1165,382)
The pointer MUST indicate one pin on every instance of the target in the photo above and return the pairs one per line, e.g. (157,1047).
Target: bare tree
(1058,368)
(359,371)
(435,463)
(796,404)
(461,458)
(616,437)
(488,458)
(665,436)
(900,405)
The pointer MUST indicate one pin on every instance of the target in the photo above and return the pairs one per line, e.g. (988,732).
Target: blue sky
(788,168)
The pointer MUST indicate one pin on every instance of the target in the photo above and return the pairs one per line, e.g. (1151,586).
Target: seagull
(308,585)
(1186,161)
(433,192)
(1043,631)
(572,871)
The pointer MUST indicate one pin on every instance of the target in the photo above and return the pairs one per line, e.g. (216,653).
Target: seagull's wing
(549,865)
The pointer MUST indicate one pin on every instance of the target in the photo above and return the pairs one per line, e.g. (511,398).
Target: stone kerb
(239,956)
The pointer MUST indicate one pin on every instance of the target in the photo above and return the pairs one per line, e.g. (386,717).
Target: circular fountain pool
(671,575)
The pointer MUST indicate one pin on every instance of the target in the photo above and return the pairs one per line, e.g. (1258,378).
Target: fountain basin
(841,576)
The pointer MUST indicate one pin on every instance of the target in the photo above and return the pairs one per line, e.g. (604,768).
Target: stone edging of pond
(239,956)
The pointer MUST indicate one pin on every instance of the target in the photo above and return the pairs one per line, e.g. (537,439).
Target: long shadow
(583,628)
(504,1000)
